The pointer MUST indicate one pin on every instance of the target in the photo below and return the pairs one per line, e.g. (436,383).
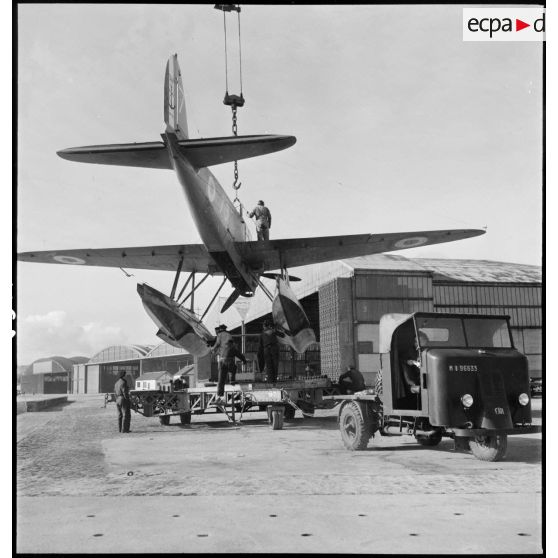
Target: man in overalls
(122,393)
(263,220)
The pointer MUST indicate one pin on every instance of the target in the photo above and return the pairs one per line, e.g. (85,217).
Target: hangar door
(92,378)
(79,378)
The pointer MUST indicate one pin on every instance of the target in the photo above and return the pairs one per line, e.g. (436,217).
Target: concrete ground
(213,487)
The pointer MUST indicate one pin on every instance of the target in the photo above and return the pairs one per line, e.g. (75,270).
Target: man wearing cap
(263,220)
(226,350)
(351,381)
(268,351)
(122,393)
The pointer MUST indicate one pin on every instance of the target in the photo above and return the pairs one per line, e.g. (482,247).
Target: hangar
(100,373)
(50,374)
(344,301)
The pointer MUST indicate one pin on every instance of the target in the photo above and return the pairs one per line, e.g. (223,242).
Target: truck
(443,375)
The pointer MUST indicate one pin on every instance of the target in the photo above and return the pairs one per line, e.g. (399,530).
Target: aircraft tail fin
(175,102)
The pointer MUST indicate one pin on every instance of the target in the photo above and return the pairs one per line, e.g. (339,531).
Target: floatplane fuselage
(219,222)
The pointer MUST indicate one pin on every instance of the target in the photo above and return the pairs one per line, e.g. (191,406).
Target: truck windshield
(463,332)
(487,333)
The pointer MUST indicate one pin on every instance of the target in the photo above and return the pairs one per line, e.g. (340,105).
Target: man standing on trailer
(263,220)
(268,351)
(122,394)
(226,350)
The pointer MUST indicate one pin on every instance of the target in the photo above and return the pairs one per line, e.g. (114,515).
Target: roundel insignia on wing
(411,242)
(69,260)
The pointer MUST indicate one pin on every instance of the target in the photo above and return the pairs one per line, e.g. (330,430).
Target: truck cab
(454,375)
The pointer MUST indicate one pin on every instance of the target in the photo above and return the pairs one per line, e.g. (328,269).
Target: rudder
(174,101)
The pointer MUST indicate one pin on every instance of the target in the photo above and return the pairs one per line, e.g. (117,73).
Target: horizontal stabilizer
(200,152)
(215,151)
(152,155)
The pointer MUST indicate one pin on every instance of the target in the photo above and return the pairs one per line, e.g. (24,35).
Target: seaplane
(227,249)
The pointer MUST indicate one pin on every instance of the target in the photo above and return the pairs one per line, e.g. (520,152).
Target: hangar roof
(55,364)
(486,271)
(481,271)
(164,349)
(121,352)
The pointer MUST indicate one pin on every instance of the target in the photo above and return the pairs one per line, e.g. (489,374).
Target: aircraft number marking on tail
(68,260)
(172,99)
(411,242)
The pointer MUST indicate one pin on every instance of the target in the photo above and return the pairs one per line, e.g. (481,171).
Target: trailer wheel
(277,419)
(429,440)
(289,412)
(355,432)
(164,420)
(489,448)
(185,418)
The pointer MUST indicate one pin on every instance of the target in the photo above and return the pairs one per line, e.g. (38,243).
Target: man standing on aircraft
(351,381)
(122,394)
(268,351)
(226,350)
(263,220)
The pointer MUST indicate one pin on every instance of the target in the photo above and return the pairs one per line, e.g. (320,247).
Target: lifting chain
(236,183)
(234,101)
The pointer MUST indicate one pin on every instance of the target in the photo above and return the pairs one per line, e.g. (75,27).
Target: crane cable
(234,101)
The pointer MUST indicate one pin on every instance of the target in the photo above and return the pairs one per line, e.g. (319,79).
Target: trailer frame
(280,400)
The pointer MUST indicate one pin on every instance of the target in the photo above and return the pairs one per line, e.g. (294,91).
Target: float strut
(176,277)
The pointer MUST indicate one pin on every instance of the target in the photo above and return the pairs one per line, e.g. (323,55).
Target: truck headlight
(467,400)
(523,399)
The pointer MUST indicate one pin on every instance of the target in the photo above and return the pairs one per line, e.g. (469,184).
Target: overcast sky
(401,126)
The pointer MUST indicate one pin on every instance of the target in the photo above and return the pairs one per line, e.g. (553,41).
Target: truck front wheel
(489,448)
(164,419)
(355,432)
(185,418)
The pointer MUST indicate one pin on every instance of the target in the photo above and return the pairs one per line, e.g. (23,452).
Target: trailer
(280,400)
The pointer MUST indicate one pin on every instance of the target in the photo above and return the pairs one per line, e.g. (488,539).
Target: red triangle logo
(519,25)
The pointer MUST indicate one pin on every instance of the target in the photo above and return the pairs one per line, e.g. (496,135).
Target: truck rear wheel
(277,419)
(489,448)
(289,412)
(355,432)
(164,419)
(185,418)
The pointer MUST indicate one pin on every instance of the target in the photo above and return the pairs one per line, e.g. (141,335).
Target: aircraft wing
(293,252)
(196,257)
